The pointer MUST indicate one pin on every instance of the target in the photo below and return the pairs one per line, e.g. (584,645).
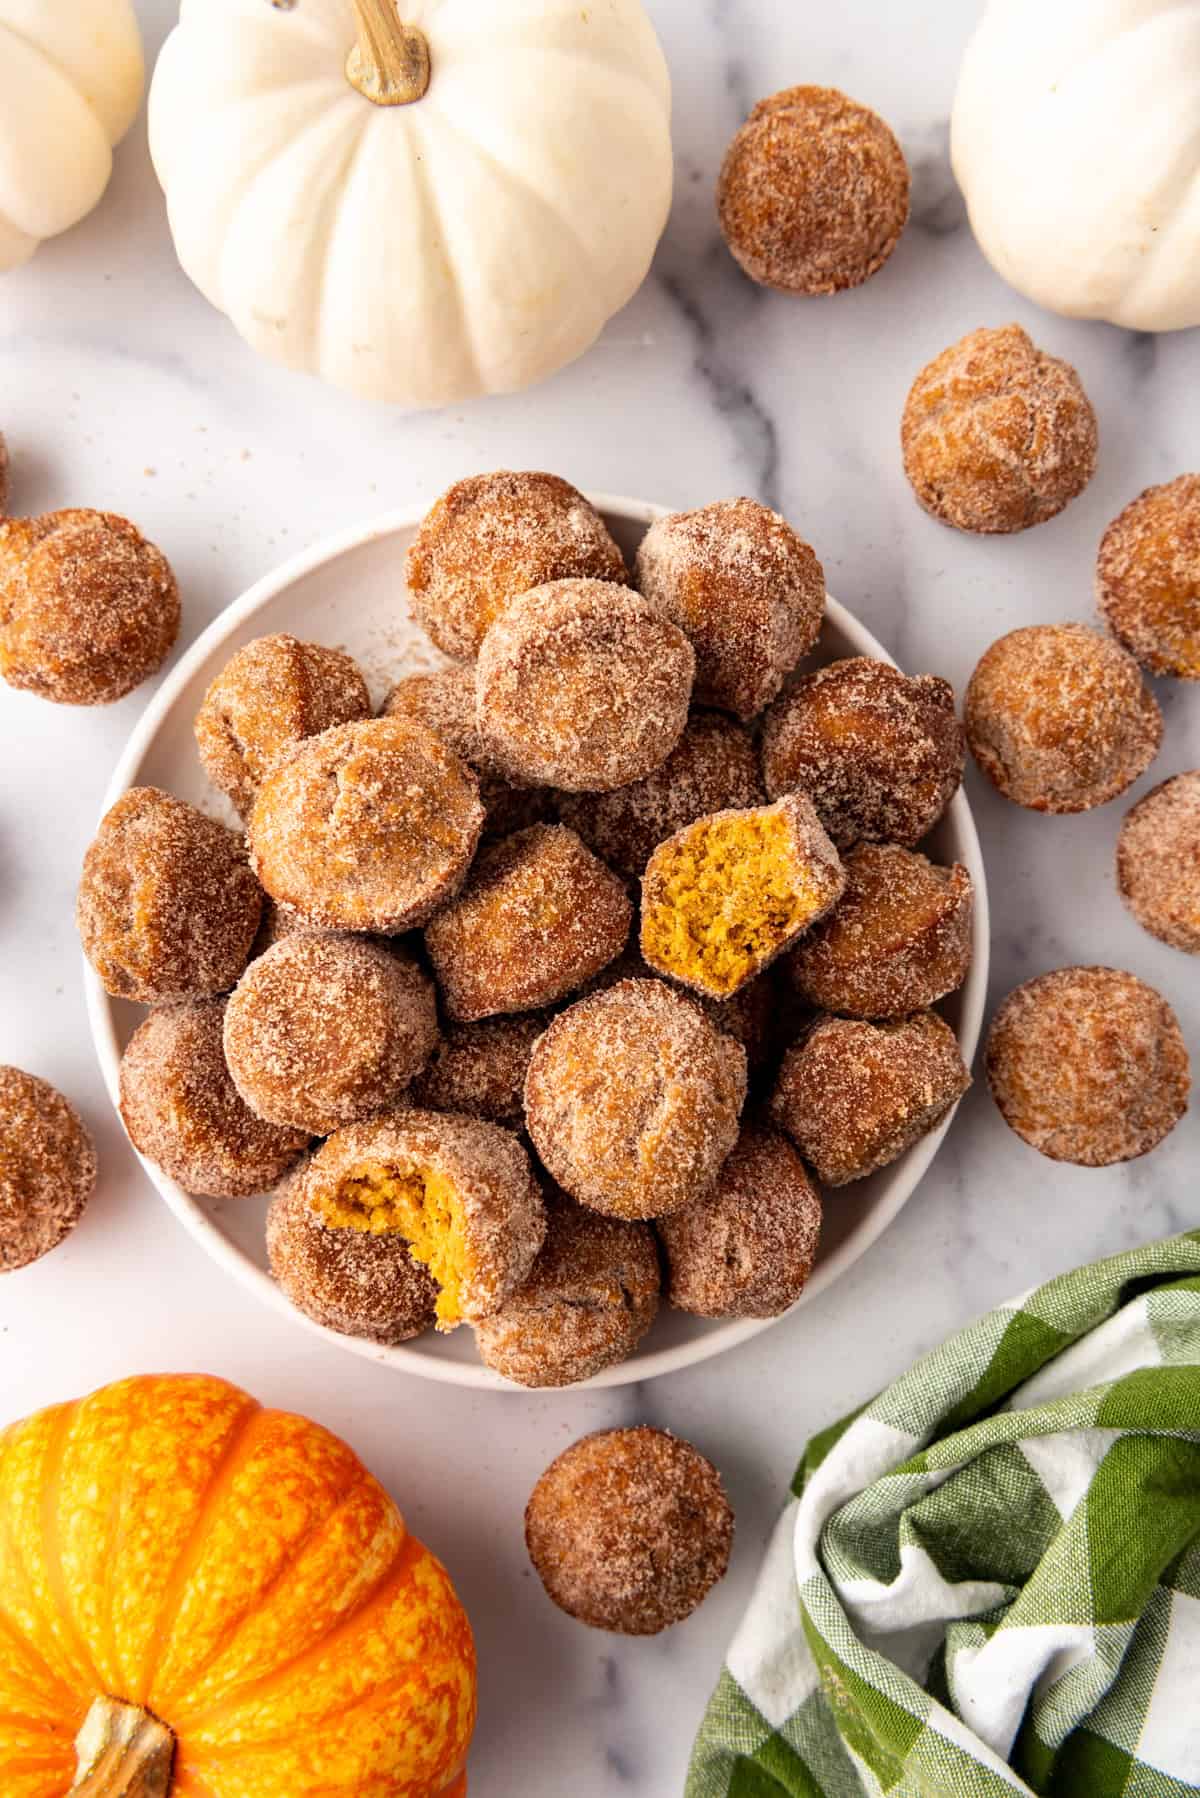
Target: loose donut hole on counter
(424,1208)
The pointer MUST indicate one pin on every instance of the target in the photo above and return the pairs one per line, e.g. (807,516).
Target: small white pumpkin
(71,79)
(1076,141)
(417,211)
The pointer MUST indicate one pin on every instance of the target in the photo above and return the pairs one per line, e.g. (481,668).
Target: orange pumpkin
(200,1598)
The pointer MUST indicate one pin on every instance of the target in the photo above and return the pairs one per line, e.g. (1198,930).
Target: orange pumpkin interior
(424,1206)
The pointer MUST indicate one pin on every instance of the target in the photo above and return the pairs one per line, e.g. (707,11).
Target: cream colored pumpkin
(71,79)
(1076,141)
(418,212)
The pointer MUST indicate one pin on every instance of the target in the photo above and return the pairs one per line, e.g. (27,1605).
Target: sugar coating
(444,701)
(480,1068)
(348,1280)
(879,753)
(183,1112)
(582,685)
(629,1530)
(898,940)
(813,193)
(998,436)
(88,608)
(1059,718)
(167,907)
(632,1099)
(748,591)
(854,1095)
(749,1016)
(1088,1065)
(1148,578)
(270,695)
(47,1168)
(747,1249)
(494,536)
(1158,862)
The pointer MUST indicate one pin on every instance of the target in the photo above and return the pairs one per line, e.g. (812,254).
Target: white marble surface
(119,387)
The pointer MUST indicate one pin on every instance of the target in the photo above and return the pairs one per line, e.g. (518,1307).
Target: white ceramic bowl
(349,590)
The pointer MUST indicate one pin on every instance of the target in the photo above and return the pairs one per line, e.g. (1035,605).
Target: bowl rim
(409,1357)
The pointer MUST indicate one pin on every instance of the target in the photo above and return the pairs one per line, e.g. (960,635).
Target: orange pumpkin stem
(123,1752)
(390,61)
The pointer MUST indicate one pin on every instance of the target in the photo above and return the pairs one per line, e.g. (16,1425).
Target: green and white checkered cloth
(988,1581)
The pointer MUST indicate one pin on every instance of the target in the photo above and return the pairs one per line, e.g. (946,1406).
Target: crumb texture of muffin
(1148,578)
(629,1530)
(813,193)
(47,1168)
(1158,862)
(350,1281)
(998,436)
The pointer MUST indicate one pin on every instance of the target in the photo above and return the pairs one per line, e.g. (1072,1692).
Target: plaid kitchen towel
(988,1581)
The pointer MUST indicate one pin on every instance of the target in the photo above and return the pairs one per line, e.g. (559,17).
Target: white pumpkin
(1076,141)
(418,212)
(71,79)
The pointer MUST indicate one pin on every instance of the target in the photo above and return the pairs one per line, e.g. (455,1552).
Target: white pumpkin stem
(390,61)
(123,1752)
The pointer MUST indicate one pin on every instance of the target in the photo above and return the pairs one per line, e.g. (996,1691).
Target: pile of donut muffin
(550,992)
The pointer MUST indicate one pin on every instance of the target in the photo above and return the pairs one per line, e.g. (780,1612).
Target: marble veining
(120,387)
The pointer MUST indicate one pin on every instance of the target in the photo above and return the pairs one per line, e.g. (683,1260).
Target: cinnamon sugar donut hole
(748,591)
(183,1112)
(370,826)
(88,608)
(323,1031)
(582,685)
(853,1096)
(47,1168)
(480,1068)
(997,435)
(494,536)
(879,753)
(712,768)
(167,907)
(1088,1065)
(1158,862)
(897,941)
(538,917)
(590,1297)
(813,192)
(444,701)
(632,1100)
(270,695)
(1148,578)
(748,1248)
(629,1530)
(1059,718)
(347,1280)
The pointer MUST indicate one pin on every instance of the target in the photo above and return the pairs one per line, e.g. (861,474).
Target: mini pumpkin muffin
(813,192)
(632,1100)
(458,1191)
(270,695)
(494,536)
(897,941)
(184,1113)
(722,898)
(47,1168)
(853,1096)
(1148,578)
(629,1530)
(369,826)
(748,1248)
(322,1031)
(747,590)
(879,753)
(1158,862)
(582,685)
(1059,718)
(347,1280)
(444,701)
(590,1298)
(712,768)
(539,916)
(480,1068)
(88,608)
(997,435)
(1088,1065)
(167,907)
